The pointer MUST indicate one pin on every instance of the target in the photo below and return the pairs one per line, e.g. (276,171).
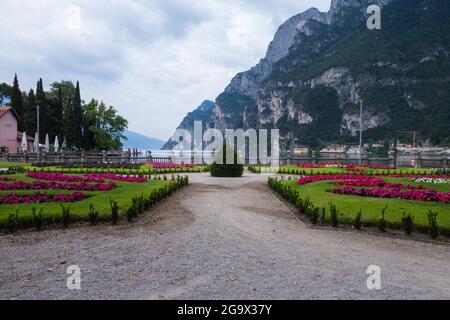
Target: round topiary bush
(223,170)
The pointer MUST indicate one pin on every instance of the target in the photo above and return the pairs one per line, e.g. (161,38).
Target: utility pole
(361,133)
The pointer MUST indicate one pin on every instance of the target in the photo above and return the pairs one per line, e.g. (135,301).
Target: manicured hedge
(225,170)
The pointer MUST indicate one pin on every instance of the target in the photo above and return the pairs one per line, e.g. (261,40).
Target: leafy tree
(62,114)
(65,93)
(106,127)
(5,91)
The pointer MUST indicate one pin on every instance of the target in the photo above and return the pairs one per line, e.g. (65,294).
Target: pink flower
(41,197)
(159,165)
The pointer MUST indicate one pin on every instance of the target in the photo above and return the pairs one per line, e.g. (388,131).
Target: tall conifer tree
(17,102)
(78,117)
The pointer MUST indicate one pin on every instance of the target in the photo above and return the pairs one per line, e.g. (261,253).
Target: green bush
(334,212)
(38,220)
(314,215)
(93,215)
(382,224)
(357,224)
(65,211)
(131,212)
(114,212)
(434,227)
(408,223)
(13,222)
(324,216)
(225,170)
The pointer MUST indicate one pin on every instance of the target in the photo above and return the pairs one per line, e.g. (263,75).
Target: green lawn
(122,194)
(143,170)
(12,164)
(372,207)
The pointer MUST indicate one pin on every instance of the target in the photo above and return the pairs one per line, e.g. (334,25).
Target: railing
(93,158)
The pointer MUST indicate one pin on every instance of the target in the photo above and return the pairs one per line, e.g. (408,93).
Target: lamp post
(37,129)
(361,133)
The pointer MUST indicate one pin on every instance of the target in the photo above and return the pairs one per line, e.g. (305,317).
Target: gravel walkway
(219,239)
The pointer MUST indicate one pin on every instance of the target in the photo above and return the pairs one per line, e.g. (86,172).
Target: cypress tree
(17,102)
(30,116)
(78,117)
(41,101)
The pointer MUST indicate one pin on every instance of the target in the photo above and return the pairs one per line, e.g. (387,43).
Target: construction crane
(413,134)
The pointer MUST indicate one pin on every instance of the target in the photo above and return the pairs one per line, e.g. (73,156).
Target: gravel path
(219,239)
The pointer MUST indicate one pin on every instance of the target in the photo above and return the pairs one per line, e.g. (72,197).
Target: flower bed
(331,177)
(375,182)
(89,177)
(354,168)
(416,195)
(431,180)
(12,198)
(377,187)
(160,165)
(54,185)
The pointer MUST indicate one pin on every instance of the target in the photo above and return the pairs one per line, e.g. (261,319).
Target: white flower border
(431,180)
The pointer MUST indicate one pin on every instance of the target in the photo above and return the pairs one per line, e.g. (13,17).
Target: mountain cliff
(203,113)
(320,66)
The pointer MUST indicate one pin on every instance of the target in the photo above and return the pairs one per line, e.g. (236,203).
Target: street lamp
(361,133)
(37,129)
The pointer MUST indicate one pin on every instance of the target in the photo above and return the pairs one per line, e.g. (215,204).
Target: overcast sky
(155,60)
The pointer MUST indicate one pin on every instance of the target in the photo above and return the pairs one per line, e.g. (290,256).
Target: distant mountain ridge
(139,141)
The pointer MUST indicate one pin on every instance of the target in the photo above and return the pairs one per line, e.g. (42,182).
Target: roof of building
(5,110)
(20,136)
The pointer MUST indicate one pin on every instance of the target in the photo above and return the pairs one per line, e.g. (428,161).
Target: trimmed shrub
(38,220)
(314,215)
(93,215)
(13,222)
(334,212)
(324,216)
(65,212)
(357,224)
(408,223)
(225,170)
(114,212)
(131,213)
(382,224)
(433,229)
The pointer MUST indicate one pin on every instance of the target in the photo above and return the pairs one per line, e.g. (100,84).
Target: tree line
(63,114)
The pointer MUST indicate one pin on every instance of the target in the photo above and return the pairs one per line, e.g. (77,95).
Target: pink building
(8,128)
(9,136)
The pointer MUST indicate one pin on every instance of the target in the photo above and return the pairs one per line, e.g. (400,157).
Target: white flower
(431,181)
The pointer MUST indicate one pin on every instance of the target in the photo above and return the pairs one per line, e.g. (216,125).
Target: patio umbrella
(47,143)
(36,142)
(24,144)
(64,145)
(56,145)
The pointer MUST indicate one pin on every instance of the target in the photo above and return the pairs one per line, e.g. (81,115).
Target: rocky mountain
(320,66)
(203,113)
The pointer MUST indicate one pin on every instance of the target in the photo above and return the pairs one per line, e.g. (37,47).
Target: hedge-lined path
(219,239)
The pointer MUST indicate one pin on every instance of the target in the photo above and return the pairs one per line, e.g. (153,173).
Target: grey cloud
(172,54)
